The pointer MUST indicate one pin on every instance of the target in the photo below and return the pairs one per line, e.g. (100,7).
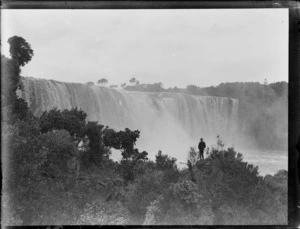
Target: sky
(175,47)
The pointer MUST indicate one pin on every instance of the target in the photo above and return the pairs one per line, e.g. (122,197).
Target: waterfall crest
(171,122)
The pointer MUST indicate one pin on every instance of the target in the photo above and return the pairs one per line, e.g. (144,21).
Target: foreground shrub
(100,212)
(180,204)
(238,194)
(39,170)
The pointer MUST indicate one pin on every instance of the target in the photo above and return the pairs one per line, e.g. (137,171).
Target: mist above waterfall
(171,122)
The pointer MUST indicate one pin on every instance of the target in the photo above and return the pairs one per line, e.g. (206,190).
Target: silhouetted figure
(201,148)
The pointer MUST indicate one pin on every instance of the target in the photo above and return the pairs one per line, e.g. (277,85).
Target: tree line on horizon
(57,170)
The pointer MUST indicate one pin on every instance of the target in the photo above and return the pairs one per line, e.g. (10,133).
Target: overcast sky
(175,47)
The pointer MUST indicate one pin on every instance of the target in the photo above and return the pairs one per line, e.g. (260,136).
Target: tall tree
(21,53)
(102,81)
(20,50)
(132,80)
(97,150)
(10,80)
(125,142)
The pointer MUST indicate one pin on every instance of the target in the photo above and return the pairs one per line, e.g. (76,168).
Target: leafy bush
(164,162)
(61,154)
(146,189)
(237,193)
(180,204)
(100,212)
(38,169)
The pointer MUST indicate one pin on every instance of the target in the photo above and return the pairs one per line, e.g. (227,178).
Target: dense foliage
(57,170)
(226,191)
(20,50)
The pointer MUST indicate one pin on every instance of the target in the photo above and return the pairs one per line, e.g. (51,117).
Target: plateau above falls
(171,122)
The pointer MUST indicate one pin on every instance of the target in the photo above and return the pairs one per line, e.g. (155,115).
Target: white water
(171,122)
(268,161)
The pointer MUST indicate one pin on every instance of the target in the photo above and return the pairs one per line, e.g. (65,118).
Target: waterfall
(171,122)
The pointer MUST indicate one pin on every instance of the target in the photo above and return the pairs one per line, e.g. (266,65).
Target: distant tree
(156,87)
(175,89)
(192,89)
(280,88)
(20,50)
(113,86)
(123,85)
(102,81)
(132,80)
(90,83)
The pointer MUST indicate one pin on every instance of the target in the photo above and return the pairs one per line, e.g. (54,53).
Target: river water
(268,161)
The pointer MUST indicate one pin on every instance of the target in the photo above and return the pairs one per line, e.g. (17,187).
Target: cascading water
(171,122)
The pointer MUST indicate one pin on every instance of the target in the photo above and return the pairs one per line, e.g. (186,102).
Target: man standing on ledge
(201,148)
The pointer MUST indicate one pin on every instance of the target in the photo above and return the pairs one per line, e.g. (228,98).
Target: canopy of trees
(156,87)
(90,83)
(113,86)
